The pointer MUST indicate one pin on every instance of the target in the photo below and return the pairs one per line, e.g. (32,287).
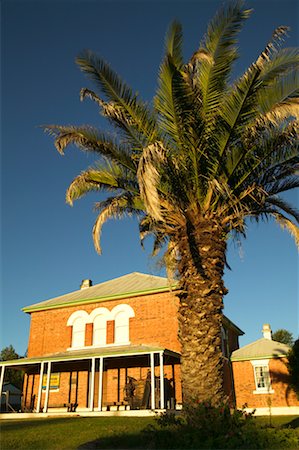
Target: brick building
(109,346)
(261,377)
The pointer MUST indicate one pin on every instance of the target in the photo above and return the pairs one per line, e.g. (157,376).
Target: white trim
(161,381)
(100,384)
(40,386)
(263,391)
(86,347)
(261,363)
(91,379)
(80,314)
(122,308)
(1,384)
(152,380)
(47,387)
(275,411)
(100,312)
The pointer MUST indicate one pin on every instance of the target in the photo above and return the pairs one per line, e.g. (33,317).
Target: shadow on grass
(293,424)
(18,424)
(254,438)
(122,441)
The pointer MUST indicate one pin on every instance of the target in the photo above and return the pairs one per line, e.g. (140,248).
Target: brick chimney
(267,332)
(85,284)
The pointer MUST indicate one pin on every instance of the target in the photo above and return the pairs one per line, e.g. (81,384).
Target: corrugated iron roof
(262,348)
(125,286)
(105,352)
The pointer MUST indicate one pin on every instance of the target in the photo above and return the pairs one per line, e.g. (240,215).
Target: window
(78,321)
(121,315)
(118,318)
(99,317)
(121,328)
(99,330)
(78,337)
(262,377)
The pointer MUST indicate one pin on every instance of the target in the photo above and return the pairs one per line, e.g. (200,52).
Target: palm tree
(194,166)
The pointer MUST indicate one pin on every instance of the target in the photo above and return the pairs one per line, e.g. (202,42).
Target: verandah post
(100,384)
(1,384)
(40,386)
(161,381)
(152,355)
(47,387)
(92,375)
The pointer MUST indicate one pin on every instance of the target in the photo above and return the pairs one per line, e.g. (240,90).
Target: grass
(109,432)
(68,433)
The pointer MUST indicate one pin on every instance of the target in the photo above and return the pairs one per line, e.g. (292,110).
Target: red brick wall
(245,385)
(155,323)
(110,331)
(88,333)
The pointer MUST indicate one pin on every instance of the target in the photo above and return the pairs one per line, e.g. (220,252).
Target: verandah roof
(108,352)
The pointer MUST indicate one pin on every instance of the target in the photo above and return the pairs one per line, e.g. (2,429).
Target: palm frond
(174,42)
(287,224)
(114,207)
(281,95)
(280,64)
(119,93)
(89,139)
(217,53)
(263,147)
(284,206)
(285,184)
(148,176)
(172,103)
(108,177)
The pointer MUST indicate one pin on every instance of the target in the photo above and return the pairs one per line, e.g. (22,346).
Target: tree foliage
(293,367)
(194,166)
(283,336)
(12,376)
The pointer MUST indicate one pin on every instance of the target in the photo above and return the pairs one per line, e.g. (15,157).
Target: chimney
(85,284)
(267,332)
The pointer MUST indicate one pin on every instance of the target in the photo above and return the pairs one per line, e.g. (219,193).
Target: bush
(208,427)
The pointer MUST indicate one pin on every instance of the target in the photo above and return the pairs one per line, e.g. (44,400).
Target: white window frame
(259,364)
(114,315)
(125,312)
(105,314)
(83,317)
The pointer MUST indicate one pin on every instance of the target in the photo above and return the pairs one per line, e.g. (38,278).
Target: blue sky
(46,245)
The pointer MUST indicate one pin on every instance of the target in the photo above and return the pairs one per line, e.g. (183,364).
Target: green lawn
(69,433)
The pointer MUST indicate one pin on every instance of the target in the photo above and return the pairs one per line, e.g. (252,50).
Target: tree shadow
(121,441)
(293,424)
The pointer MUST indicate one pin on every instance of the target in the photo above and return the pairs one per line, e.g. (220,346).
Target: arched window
(99,317)
(121,315)
(78,322)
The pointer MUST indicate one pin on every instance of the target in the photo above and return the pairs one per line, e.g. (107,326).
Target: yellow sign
(54,381)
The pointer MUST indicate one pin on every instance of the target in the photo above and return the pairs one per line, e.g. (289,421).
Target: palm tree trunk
(202,258)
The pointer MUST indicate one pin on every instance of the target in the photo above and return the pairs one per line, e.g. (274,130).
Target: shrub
(208,427)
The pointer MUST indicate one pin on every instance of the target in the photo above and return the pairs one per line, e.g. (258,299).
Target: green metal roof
(106,352)
(133,284)
(260,349)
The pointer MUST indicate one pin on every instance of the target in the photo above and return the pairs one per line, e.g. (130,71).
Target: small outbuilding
(261,377)
(10,398)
